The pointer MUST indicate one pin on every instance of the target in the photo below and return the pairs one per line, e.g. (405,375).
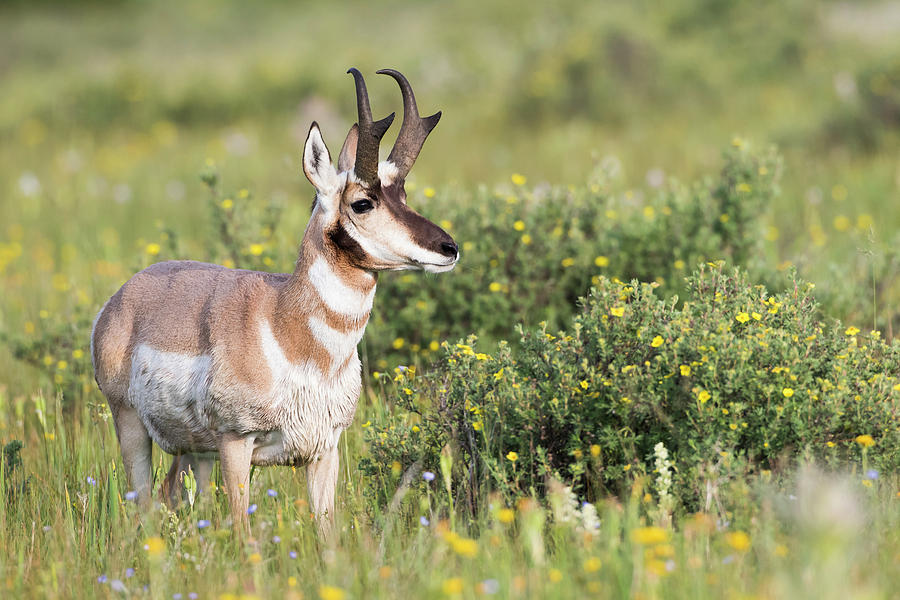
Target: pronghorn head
(361,204)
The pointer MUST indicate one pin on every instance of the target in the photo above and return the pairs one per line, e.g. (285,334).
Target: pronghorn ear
(317,162)
(347,158)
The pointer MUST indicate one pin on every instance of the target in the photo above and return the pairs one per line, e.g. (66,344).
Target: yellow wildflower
(852,331)
(742,317)
(152,249)
(518,179)
(685,370)
(512,456)
(398,343)
(554,575)
(788,392)
(657,341)
(451,586)
(703,396)
(519,225)
(256,249)
(330,592)
(595,450)
(495,287)
(649,536)
(617,311)
(601,261)
(865,440)
(154,546)
(738,540)
(506,515)
(429,192)
(592,564)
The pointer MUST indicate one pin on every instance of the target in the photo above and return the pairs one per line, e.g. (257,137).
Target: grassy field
(582,145)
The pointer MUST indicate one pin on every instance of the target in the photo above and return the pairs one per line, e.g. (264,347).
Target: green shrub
(733,380)
(528,255)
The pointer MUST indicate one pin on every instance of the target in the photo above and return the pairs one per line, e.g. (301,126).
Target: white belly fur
(186,401)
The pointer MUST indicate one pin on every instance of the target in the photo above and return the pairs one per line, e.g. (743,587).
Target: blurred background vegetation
(111,110)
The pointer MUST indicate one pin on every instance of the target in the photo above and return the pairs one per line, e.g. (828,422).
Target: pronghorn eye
(361,206)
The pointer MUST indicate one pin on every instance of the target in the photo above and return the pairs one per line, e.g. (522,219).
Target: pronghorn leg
(202,468)
(173,490)
(137,451)
(235,452)
(321,481)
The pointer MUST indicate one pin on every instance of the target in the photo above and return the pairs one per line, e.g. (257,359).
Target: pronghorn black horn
(414,129)
(370,133)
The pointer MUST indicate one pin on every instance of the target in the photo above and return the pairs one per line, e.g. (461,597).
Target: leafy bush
(733,380)
(528,255)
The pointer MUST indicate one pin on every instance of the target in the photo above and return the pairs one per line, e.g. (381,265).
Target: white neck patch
(283,371)
(339,345)
(336,294)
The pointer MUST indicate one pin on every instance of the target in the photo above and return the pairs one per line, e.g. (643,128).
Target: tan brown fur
(261,368)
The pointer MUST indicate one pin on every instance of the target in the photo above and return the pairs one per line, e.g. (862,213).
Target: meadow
(667,365)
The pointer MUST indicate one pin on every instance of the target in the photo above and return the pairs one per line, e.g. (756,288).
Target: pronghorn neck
(325,281)
(327,299)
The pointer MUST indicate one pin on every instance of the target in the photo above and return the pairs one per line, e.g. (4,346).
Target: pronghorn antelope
(262,368)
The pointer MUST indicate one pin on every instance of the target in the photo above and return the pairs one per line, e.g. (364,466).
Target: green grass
(109,113)
(811,536)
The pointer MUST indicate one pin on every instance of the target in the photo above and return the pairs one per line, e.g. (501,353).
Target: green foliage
(55,349)
(11,458)
(528,255)
(734,380)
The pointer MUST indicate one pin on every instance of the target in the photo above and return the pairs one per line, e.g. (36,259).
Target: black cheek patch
(347,245)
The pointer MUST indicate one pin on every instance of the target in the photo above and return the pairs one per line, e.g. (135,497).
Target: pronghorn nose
(449,249)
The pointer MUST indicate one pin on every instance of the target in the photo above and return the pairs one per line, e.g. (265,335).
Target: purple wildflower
(428,476)
(129,572)
(292,554)
(203,523)
(252,509)
(271,493)
(91,480)
(102,578)
(276,539)
(872,474)
(424,521)
(131,496)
